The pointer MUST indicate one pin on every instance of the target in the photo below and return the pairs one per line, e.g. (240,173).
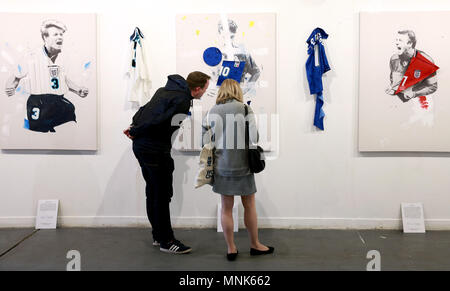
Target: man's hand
(10,91)
(409,93)
(83,92)
(393,86)
(127,133)
(80,91)
(11,85)
(390,91)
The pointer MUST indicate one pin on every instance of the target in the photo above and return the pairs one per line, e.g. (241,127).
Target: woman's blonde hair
(229,89)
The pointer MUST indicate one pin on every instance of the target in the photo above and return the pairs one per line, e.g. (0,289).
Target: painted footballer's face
(55,39)
(226,38)
(402,43)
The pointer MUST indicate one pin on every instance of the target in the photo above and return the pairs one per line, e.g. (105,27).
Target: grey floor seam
(3,253)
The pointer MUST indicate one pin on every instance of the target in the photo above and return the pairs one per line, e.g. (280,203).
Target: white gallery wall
(318,180)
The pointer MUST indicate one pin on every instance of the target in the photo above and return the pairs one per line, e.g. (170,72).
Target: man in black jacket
(151,132)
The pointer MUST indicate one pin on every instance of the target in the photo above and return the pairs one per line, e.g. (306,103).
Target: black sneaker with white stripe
(174,247)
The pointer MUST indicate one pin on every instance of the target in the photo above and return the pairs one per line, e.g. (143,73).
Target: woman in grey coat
(232,175)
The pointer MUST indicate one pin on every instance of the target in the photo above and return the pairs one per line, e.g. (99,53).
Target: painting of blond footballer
(412,71)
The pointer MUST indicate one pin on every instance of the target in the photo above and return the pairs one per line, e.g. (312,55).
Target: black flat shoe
(255,252)
(232,256)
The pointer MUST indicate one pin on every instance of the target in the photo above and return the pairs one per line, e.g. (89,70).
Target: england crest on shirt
(417,74)
(54,71)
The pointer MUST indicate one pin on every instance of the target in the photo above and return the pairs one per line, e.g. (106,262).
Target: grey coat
(228,133)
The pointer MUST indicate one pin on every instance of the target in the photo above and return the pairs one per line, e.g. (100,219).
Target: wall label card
(47,214)
(413,218)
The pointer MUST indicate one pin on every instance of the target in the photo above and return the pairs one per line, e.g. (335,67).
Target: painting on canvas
(237,46)
(403,92)
(48,97)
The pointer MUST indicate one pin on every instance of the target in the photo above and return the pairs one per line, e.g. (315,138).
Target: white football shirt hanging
(139,83)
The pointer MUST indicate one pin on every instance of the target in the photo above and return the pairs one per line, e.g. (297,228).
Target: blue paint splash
(19,68)
(87,65)
(18,89)
(212,56)
(26,124)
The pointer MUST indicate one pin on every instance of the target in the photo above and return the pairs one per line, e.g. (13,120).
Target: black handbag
(255,161)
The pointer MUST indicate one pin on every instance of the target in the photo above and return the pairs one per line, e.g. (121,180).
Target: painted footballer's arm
(253,70)
(427,87)
(395,77)
(80,91)
(11,85)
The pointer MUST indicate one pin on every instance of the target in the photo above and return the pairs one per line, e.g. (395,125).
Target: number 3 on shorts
(36,112)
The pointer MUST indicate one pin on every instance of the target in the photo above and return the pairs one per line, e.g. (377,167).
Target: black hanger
(137,34)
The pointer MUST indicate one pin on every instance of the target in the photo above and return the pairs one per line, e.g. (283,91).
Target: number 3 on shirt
(55,83)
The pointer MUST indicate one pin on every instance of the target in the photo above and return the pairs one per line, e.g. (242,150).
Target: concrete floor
(131,249)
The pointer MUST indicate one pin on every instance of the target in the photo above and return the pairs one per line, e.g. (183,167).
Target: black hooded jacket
(151,128)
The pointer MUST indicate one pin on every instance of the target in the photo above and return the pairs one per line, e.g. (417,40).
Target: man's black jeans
(157,169)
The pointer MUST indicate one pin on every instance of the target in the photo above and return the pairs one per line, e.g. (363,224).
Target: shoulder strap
(246,128)
(209,127)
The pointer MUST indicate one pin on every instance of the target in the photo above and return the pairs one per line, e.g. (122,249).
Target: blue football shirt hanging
(316,66)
